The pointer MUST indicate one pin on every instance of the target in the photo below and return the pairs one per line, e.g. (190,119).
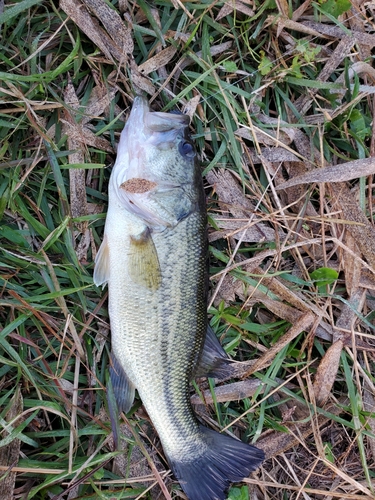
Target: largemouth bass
(154,259)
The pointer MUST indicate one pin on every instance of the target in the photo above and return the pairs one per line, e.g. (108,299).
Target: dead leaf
(98,103)
(230,392)
(284,22)
(227,291)
(358,68)
(231,196)
(79,136)
(269,138)
(158,61)
(285,294)
(90,26)
(232,199)
(77,177)
(132,463)
(114,25)
(343,48)
(191,106)
(327,372)
(139,81)
(362,231)
(231,5)
(348,316)
(352,267)
(273,155)
(334,173)
(86,137)
(336,32)
(278,308)
(283,7)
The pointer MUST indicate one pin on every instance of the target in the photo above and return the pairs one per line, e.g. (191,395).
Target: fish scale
(154,260)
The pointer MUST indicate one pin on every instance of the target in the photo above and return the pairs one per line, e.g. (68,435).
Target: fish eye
(186,148)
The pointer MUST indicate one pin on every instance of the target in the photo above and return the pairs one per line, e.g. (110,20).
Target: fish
(153,257)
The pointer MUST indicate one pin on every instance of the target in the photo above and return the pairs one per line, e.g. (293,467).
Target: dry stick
(34,107)
(149,488)
(268,253)
(307,478)
(82,479)
(128,480)
(32,470)
(231,259)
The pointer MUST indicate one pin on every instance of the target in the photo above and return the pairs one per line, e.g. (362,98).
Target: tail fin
(208,476)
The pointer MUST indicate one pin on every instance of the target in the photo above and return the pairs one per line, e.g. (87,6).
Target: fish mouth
(155,128)
(145,129)
(141,118)
(138,113)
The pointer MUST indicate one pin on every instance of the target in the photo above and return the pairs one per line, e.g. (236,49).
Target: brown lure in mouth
(137,185)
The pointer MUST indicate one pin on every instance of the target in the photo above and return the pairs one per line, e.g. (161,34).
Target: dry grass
(282,107)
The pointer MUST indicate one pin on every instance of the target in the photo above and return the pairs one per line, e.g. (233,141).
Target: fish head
(155,175)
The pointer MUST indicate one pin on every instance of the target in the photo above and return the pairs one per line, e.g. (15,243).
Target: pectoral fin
(101,271)
(144,267)
(123,388)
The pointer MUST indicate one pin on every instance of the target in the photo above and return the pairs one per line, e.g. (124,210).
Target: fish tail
(208,476)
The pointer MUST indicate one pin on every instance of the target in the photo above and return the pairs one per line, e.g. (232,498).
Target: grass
(275,91)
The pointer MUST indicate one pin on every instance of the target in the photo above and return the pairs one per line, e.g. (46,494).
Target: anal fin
(123,388)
